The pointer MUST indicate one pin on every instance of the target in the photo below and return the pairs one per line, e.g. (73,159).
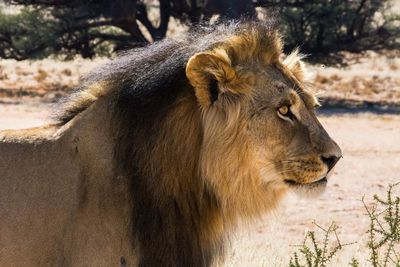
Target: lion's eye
(285,113)
(284,110)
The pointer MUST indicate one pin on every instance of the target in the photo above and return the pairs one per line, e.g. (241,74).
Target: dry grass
(44,79)
(370,77)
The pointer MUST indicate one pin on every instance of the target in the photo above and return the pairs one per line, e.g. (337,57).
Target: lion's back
(37,195)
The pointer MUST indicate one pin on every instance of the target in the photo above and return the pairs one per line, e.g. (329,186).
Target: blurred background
(352,51)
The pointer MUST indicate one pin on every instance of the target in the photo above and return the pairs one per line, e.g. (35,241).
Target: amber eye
(284,110)
(285,113)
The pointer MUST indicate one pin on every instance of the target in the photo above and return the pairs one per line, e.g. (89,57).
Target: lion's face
(260,132)
(288,137)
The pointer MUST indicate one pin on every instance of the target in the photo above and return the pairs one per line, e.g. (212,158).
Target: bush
(384,230)
(331,25)
(35,32)
(317,253)
(383,242)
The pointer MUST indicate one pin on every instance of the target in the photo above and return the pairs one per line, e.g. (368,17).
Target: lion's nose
(330,161)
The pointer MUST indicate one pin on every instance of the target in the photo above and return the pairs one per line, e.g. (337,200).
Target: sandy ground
(13,116)
(371,150)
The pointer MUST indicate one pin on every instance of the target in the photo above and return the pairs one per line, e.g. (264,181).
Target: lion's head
(261,134)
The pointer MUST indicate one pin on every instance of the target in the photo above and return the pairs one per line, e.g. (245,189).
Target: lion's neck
(176,218)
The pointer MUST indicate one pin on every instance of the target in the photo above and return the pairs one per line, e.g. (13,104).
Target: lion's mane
(179,219)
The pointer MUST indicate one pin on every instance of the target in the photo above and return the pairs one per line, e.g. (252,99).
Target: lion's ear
(211,74)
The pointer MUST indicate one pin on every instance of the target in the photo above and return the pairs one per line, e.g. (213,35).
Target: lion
(161,153)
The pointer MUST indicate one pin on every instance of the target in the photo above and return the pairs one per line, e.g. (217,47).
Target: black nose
(330,161)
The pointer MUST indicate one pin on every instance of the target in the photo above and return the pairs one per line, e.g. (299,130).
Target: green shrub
(384,230)
(383,237)
(317,253)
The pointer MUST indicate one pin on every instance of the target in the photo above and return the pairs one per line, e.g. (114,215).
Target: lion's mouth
(321,182)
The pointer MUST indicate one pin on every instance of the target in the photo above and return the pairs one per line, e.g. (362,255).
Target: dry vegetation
(370,78)
(383,241)
(44,80)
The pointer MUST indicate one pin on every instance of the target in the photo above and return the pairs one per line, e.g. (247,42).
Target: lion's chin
(308,190)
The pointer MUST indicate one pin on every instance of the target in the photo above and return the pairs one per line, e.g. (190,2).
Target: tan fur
(121,187)
(84,99)
(295,65)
